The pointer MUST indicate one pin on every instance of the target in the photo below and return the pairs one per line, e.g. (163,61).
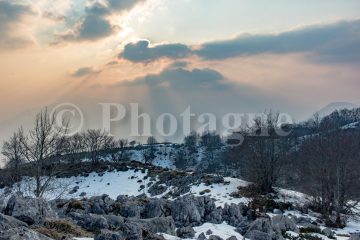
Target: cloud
(338,42)
(84,71)
(141,52)
(95,24)
(94,27)
(11,14)
(178,64)
(332,42)
(181,79)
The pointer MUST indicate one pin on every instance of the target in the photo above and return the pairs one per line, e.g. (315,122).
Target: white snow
(222,230)
(220,192)
(110,183)
(351,125)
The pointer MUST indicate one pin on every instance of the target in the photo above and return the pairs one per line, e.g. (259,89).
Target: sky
(230,56)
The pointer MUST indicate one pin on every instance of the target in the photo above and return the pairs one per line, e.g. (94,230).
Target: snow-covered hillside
(134,182)
(328,109)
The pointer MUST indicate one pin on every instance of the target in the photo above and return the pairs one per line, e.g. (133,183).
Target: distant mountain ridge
(330,108)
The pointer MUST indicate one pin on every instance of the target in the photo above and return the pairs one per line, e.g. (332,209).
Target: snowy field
(134,182)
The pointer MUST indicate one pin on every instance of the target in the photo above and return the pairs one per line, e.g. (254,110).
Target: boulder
(2,203)
(185,212)
(129,207)
(243,226)
(29,210)
(155,225)
(354,236)
(258,235)
(260,229)
(157,189)
(328,232)
(155,208)
(277,211)
(136,231)
(21,233)
(201,236)
(7,222)
(114,222)
(101,204)
(232,238)
(215,237)
(185,232)
(282,223)
(89,221)
(233,213)
(192,211)
(108,235)
(215,216)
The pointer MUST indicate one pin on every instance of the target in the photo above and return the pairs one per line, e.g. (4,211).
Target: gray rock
(303,220)
(354,236)
(114,222)
(232,238)
(155,225)
(209,232)
(328,232)
(215,237)
(185,232)
(2,203)
(129,207)
(243,226)
(136,231)
(258,235)
(261,229)
(201,236)
(277,211)
(155,208)
(157,189)
(216,217)
(108,235)
(233,214)
(7,222)
(29,210)
(101,204)
(282,223)
(21,233)
(74,190)
(185,212)
(91,222)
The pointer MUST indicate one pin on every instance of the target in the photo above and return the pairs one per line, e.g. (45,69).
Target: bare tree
(330,172)
(14,152)
(150,151)
(265,152)
(122,154)
(97,141)
(44,141)
(211,142)
(74,145)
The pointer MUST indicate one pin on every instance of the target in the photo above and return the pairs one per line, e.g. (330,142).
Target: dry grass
(57,229)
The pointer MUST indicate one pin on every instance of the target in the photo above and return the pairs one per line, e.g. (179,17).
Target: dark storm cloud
(94,25)
(141,52)
(11,14)
(181,79)
(338,42)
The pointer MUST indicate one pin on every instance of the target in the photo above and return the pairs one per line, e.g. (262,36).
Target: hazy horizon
(241,56)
